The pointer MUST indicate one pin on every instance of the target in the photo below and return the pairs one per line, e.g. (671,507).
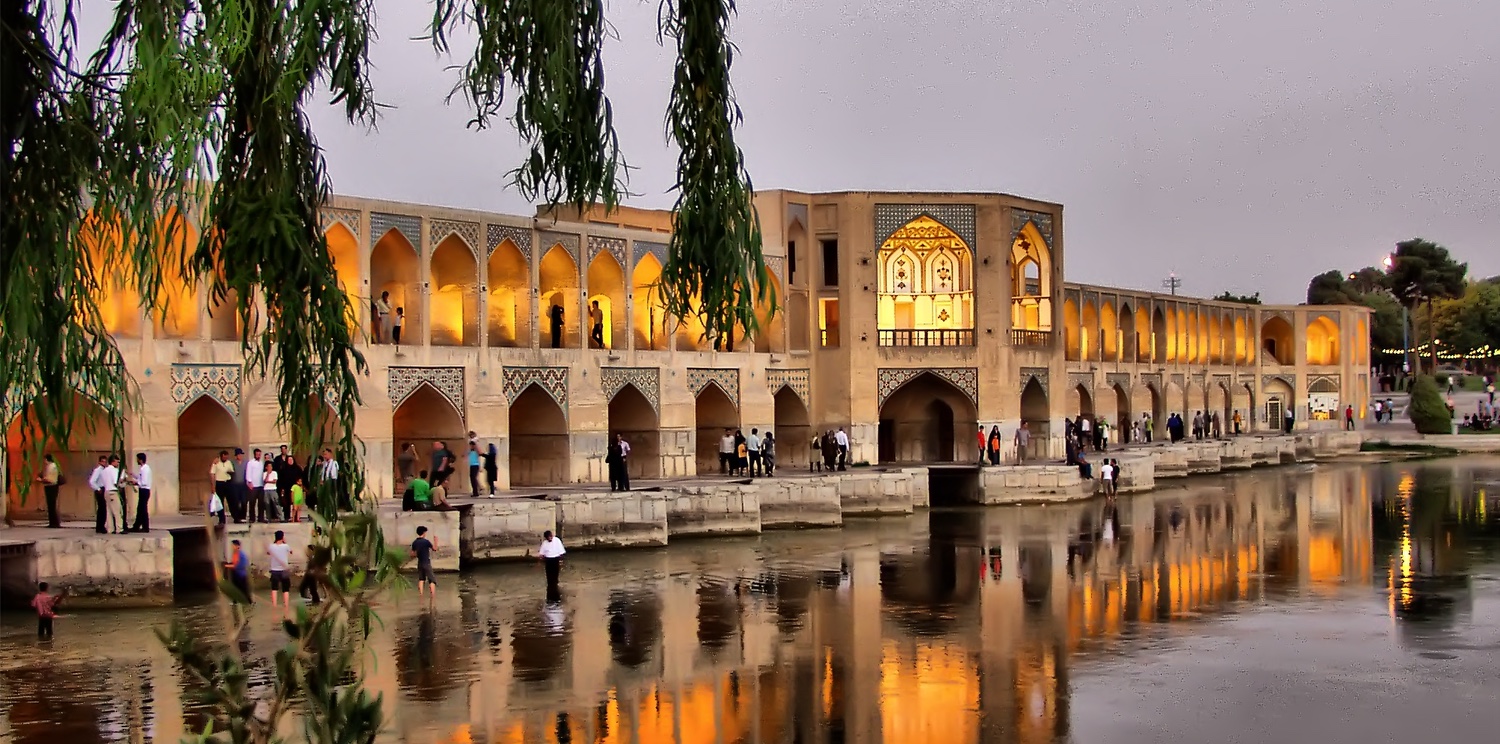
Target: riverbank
(179,556)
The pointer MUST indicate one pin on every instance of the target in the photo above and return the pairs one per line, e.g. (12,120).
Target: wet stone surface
(1328,603)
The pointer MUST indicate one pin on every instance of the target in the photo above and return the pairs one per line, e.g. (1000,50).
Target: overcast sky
(1243,145)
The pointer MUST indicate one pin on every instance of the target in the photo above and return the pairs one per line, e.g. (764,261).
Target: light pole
(1390,264)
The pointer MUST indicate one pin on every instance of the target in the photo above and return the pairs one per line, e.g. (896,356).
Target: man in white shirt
(752,447)
(109,479)
(551,553)
(726,452)
(96,484)
(142,481)
(842,440)
(255,480)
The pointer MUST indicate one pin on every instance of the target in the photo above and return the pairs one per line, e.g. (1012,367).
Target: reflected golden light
(928,695)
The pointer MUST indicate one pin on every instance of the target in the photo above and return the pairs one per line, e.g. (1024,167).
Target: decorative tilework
(645,379)
(798,381)
(568,241)
(1039,374)
(552,380)
(1247,380)
(956,217)
(1323,384)
(1118,378)
(777,266)
(447,381)
(616,247)
(218,381)
(468,231)
(1042,220)
(1266,380)
(1199,378)
(644,248)
(1180,381)
(1081,379)
(1152,380)
(727,380)
(409,227)
(497,234)
(327,216)
(966,379)
(1224,381)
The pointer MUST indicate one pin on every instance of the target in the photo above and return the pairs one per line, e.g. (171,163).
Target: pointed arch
(1081,402)
(509,300)
(204,429)
(714,412)
(396,267)
(1129,340)
(1109,332)
(424,416)
(925,282)
(772,336)
(454,299)
(1144,345)
(1277,341)
(649,319)
(1036,414)
(1242,344)
(1072,338)
(557,286)
(924,420)
(606,292)
(539,448)
(1031,280)
(1161,338)
(179,303)
(1088,334)
(632,416)
(1123,413)
(1322,341)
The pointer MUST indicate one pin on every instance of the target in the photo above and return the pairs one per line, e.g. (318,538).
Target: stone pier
(142,569)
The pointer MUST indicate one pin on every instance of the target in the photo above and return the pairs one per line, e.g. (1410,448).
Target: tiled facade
(477,288)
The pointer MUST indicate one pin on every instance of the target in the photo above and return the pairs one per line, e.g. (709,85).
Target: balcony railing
(1031,339)
(927,337)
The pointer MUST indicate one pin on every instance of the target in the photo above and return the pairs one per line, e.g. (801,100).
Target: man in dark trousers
(556,315)
(551,553)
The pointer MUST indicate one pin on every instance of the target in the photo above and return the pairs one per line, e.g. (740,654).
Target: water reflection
(958,626)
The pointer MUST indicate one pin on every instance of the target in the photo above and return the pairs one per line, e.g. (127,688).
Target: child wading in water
(46,609)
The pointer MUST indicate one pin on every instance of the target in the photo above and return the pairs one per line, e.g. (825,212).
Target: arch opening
(1276,341)
(76,458)
(426,416)
(1109,333)
(204,429)
(1322,341)
(454,300)
(793,428)
(632,417)
(650,319)
(771,338)
(1088,332)
(1031,281)
(343,248)
(509,297)
(557,285)
(1036,413)
(925,279)
(396,268)
(714,415)
(1161,338)
(1072,336)
(925,420)
(538,440)
(606,302)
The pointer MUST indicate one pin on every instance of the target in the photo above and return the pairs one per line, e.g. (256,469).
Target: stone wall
(875,493)
(119,569)
(443,529)
(493,529)
(714,509)
(800,502)
(612,520)
(1028,484)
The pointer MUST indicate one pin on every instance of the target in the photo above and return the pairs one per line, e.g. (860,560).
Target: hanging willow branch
(552,53)
(715,268)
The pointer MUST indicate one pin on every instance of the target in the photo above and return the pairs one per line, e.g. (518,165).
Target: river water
(1330,603)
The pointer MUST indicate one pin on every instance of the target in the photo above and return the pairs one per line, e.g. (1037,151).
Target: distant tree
(1423,272)
(1427,410)
(1332,288)
(1471,321)
(1385,326)
(1370,280)
(1249,299)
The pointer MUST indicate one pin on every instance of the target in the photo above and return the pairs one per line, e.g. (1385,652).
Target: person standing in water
(422,549)
(281,567)
(239,571)
(551,553)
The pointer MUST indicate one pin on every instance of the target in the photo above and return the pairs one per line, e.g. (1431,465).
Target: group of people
(829,451)
(991,444)
(1384,410)
(386,324)
(267,488)
(279,566)
(747,456)
(111,485)
(428,488)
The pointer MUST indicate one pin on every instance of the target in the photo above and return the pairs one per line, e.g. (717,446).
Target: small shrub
(1427,409)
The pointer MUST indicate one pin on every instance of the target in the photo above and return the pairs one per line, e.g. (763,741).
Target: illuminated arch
(1322,341)
(1276,340)
(926,278)
(1088,346)
(1031,280)
(1071,336)
(1109,333)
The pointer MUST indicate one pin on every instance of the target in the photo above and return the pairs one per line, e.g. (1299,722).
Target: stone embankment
(150,568)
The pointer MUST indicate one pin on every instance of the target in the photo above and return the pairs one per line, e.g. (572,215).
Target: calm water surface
(1322,604)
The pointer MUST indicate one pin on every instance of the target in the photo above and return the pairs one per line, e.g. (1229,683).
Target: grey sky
(1244,145)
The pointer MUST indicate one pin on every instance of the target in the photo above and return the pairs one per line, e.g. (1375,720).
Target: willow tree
(195,111)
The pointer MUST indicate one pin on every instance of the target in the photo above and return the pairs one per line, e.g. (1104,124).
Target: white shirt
(271,479)
(281,556)
(1108,471)
(255,473)
(109,480)
(143,476)
(841,438)
(624,448)
(551,548)
(96,478)
(752,442)
(331,469)
(726,444)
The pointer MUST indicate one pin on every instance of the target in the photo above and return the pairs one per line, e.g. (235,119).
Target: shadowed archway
(204,429)
(924,421)
(632,417)
(539,448)
(713,412)
(424,417)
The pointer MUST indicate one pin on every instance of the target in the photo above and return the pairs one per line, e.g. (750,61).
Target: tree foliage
(1249,299)
(1470,321)
(1427,410)
(193,113)
(1423,272)
(1332,288)
(1366,287)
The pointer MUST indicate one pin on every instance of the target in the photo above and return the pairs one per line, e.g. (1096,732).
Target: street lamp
(1390,264)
